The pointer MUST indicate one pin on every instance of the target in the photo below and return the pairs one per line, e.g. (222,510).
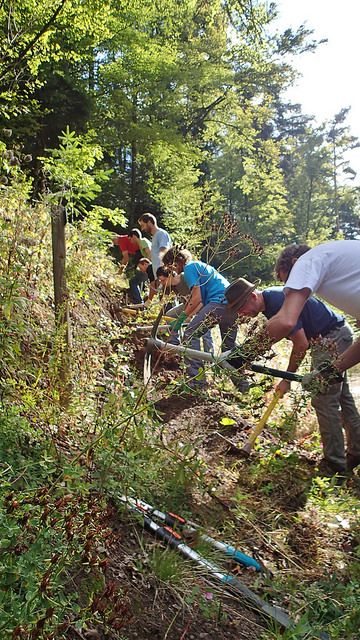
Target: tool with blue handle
(173,539)
(174,520)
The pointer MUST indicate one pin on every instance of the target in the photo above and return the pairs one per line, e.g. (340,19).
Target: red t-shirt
(126,244)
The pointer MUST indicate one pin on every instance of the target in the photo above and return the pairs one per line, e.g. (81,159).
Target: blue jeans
(213,313)
(208,343)
(137,285)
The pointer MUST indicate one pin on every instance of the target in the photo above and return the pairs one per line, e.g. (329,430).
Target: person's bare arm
(197,309)
(125,257)
(162,250)
(300,344)
(280,325)
(152,290)
(194,303)
(349,358)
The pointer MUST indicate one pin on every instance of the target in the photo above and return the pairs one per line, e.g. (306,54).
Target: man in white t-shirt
(332,271)
(160,242)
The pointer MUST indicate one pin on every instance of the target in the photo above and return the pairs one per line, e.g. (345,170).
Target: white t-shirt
(160,239)
(332,271)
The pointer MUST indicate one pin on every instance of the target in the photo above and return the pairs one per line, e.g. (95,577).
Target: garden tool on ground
(230,582)
(148,327)
(246,448)
(175,521)
(139,306)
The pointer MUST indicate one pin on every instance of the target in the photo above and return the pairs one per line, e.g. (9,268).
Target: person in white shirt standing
(160,242)
(332,271)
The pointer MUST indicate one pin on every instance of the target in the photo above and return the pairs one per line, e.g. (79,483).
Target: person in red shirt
(129,247)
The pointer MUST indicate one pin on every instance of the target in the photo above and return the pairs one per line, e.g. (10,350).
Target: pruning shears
(175,521)
(169,535)
(174,540)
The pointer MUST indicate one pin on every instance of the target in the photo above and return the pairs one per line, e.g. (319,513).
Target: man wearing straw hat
(322,330)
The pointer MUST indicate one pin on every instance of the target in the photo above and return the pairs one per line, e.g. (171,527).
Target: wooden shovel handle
(262,422)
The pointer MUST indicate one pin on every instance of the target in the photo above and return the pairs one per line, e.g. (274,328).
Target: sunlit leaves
(71,170)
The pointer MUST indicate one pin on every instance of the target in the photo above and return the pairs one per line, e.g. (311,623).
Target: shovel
(246,449)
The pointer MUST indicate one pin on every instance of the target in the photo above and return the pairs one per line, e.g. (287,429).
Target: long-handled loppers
(157,344)
(233,584)
(154,344)
(175,521)
(174,540)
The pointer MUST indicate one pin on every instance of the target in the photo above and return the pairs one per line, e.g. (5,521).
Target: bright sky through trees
(329,75)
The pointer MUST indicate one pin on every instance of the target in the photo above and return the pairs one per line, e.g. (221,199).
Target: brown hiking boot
(352,461)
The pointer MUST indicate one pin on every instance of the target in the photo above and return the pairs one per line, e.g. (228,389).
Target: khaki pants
(335,409)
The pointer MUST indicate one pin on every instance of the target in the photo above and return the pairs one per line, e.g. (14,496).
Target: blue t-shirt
(212,284)
(316,317)
(160,239)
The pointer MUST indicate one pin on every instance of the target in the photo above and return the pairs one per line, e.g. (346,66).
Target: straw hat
(238,292)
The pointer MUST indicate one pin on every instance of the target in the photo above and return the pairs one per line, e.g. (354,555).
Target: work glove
(178,322)
(318,380)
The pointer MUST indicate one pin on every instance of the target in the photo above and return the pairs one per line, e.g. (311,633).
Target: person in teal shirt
(207,304)
(212,284)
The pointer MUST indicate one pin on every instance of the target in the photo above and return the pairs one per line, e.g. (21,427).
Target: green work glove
(178,322)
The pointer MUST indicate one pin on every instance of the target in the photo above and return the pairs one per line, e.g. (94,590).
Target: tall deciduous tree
(340,141)
(186,102)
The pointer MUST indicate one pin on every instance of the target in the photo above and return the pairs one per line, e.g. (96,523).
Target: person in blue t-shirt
(208,306)
(160,241)
(327,334)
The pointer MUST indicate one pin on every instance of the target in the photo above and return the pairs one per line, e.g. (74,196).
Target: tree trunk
(133,177)
(308,208)
(132,215)
(62,322)
(336,198)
